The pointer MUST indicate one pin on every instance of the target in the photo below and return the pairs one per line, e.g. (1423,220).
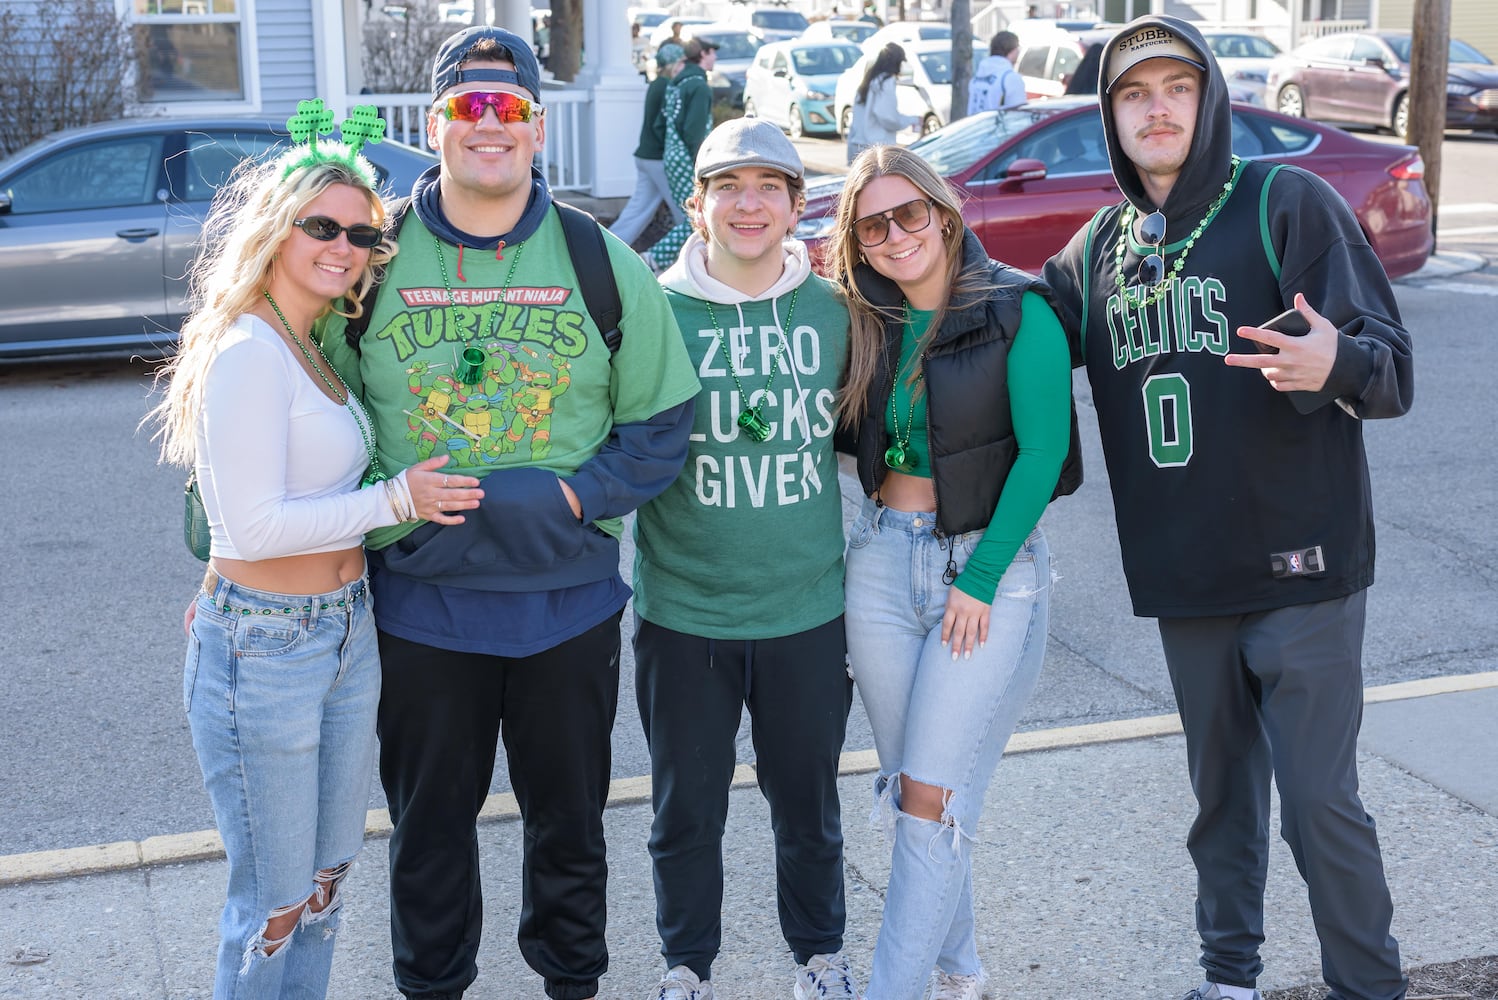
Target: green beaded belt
(210,585)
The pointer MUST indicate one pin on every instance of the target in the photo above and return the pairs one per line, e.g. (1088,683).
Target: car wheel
(798,127)
(845,122)
(1402,117)
(749,109)
(930,124)
(1291,101)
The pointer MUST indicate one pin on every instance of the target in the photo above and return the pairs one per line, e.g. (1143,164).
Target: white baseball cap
(1153,41)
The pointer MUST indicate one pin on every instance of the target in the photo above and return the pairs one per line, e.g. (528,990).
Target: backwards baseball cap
(697,46)
(456,51)
(669,53)
(1153,41)
(747,142)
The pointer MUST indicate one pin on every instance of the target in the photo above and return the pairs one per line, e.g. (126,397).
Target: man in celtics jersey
(1240,487)
(739,573)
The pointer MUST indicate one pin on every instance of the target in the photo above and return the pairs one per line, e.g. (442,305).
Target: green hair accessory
(362,127)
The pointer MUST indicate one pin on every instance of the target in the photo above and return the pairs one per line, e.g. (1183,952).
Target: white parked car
(907,33)
(838,30)
(1244,58)
(924,88)
(793,84)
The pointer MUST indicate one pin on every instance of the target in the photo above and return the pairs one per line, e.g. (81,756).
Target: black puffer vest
(971,430)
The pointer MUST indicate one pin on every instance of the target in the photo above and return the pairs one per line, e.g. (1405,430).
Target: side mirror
(1020,171)
(4,202)
(781,72)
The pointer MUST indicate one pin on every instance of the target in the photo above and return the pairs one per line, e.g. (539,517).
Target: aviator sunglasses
(1152,235)
(320,227)
(913,216)
(469,107)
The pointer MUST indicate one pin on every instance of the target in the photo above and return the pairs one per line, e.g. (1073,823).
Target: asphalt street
(94,747)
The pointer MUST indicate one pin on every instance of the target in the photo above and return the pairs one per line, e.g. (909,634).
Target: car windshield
(854,31)
(1460,52)
(938,64)
(934,31)
(953,149)
(779,20)
(735,46)
(651,20)
(1242,47)
(825,60)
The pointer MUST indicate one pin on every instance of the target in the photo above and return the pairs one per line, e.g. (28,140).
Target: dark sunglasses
(913,216)
(320,227)
(470,107)
(1152,234)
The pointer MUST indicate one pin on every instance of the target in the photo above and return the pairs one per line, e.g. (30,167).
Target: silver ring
(439,504)
(444,482)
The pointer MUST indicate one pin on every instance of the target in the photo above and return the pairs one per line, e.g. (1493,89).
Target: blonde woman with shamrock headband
(282,674)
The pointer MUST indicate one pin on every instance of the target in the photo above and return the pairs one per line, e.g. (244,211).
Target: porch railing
(565,159)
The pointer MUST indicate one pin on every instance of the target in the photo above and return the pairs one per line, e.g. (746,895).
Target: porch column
(618,96)
(514,15)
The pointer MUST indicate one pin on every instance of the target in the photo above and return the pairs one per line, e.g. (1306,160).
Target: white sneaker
(826,977)
(681,983)
(947,986)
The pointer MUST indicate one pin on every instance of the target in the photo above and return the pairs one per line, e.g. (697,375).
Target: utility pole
(1429,50)
(962,57)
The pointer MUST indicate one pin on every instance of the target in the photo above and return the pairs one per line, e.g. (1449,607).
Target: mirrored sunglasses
(913,216)
(320,227)
(469,107)
(1152,234)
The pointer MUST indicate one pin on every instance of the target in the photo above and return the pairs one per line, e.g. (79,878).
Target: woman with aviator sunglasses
(282,674)
(959,393)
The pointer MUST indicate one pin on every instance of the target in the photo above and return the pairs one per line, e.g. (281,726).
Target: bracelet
(403,488)
(390,498)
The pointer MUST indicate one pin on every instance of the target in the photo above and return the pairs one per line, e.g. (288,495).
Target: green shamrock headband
(363,126)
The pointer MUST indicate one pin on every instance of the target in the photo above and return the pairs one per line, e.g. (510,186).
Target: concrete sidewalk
(1082,880)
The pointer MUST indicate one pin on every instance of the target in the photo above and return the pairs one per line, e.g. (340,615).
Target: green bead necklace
(373,473)
(1126,226)
(751,421)
(897,455)
(471,371)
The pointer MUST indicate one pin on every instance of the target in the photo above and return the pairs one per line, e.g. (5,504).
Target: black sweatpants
(692,692)
(1281,692)
(441,714)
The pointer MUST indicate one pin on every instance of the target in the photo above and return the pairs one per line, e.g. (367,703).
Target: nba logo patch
(1295,566)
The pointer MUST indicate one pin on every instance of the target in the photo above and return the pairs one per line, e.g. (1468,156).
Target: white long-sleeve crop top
(279,462)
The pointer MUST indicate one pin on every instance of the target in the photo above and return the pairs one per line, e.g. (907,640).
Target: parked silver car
(99,224)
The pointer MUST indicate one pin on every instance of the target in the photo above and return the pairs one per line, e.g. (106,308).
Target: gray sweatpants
(651,188)
(1281,692)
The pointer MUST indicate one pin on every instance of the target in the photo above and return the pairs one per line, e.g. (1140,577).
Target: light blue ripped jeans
(281,692)
(941,722)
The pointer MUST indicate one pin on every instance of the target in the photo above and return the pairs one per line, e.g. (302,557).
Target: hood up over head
(1208,165)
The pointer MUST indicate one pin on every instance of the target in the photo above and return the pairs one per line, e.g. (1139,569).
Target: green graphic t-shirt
(539,387)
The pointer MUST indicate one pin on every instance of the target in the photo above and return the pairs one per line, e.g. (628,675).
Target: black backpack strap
(356,327)
(595,275)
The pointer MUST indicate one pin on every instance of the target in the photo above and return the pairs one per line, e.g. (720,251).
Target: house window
(191,50)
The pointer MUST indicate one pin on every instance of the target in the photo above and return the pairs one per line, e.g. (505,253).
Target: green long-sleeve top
(653,129)
(695,119)
(1039,380)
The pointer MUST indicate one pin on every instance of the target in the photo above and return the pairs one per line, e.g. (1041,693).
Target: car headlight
(1461,89)
(817,95)
(816,229)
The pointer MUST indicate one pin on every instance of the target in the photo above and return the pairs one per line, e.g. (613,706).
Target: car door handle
(137,234)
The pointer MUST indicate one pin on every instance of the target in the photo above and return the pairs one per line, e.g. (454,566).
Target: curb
(205,845)
(1444,265)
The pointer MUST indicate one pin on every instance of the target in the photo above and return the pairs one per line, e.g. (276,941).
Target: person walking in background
(1084,78)
(996,84)
(481,347)
(876,104)
(688,113)
(958,387)
(651,185)
(639,48)
(1259,579)
(282,675)
(713,635)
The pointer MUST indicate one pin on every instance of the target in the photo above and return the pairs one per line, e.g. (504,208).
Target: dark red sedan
(1034,175)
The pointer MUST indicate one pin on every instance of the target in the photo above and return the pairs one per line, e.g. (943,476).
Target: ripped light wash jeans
(941,722)
(281,692)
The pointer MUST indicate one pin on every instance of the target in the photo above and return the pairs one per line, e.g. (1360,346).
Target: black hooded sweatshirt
(1230,496)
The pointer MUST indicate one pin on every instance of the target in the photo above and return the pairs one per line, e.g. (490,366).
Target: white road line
(1442,232)
(1471,208)
(1462,287)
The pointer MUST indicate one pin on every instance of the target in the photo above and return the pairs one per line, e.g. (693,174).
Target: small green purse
(195,519)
